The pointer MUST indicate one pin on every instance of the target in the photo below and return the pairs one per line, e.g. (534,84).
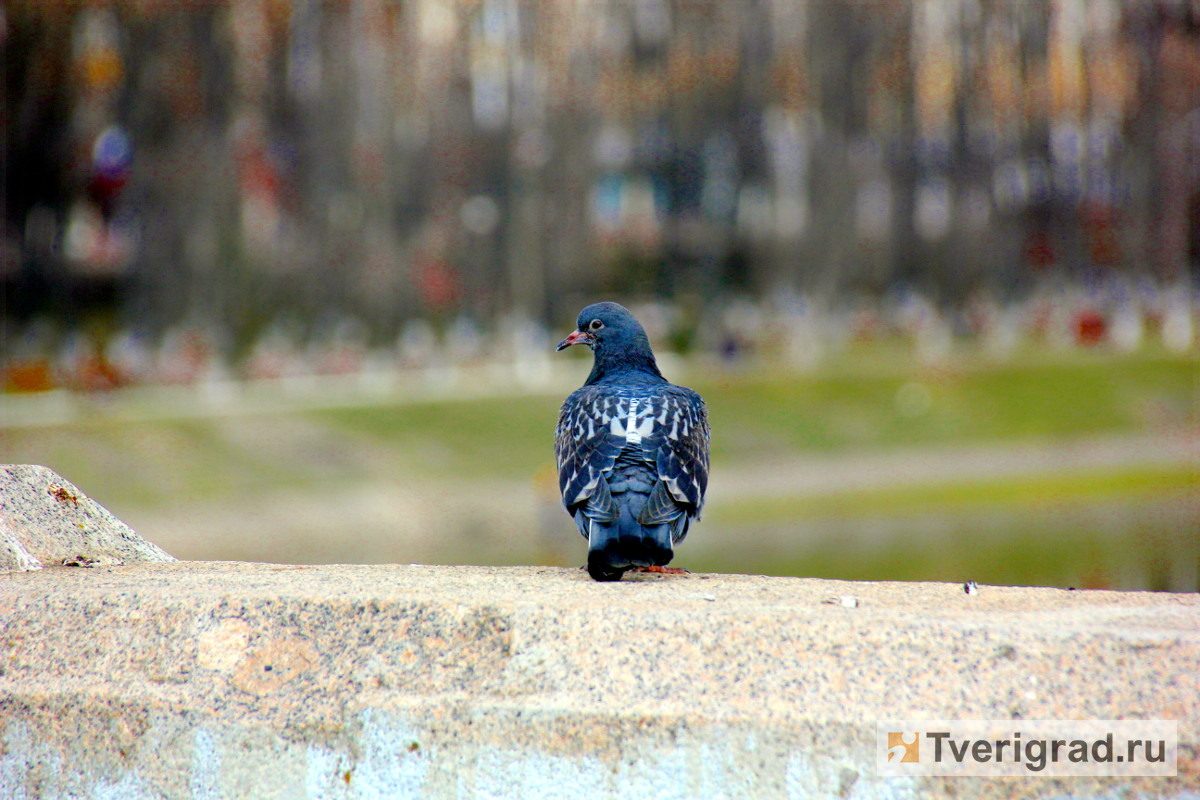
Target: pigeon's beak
(576,337)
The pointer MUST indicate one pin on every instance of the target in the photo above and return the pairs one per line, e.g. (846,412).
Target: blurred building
(252,166)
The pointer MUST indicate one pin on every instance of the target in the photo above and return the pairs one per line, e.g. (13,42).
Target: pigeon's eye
(596,325)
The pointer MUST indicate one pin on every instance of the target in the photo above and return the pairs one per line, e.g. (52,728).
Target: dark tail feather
(618,546)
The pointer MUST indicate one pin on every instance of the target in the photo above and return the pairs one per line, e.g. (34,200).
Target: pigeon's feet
(663,570)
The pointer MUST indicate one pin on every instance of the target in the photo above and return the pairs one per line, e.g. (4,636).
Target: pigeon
(631,447)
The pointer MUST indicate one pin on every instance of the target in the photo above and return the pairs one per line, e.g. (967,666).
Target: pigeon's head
(617,341)
(606,327)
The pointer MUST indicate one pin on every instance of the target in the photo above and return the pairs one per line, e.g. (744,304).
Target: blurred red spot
(1090,328)
(29,376)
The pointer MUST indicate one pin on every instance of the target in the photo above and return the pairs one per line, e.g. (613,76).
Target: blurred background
(282,278)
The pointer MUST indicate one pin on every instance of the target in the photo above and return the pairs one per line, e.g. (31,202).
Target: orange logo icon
(903,747)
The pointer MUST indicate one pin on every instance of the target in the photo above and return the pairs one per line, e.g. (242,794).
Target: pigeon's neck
(635,366)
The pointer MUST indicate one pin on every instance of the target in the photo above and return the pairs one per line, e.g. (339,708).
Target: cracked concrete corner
(46,521)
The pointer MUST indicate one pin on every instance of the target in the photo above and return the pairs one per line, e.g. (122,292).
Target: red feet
(663,570)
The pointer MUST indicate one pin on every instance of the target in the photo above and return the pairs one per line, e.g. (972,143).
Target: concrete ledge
(199,679)
(45,520)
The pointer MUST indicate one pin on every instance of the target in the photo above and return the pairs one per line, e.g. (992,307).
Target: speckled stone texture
(203,680)
(46,521)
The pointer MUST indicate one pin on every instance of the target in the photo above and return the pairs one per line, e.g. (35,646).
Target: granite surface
(223,679)
(45,520)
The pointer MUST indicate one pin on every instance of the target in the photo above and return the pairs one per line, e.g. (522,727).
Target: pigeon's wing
(678,444)
(589,437)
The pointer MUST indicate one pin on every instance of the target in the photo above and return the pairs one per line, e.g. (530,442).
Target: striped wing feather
(584,443)
(679,446)
(672,424)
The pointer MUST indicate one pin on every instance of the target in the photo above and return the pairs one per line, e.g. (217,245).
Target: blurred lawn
(873,398)
(1051,490)
(1138,546)
(1132,526)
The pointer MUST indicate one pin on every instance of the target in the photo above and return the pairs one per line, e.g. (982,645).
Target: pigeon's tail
(621,545)
(647,522)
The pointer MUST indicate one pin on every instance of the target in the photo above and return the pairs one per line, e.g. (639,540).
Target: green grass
(849,405)
(1028,492)
(1015,529)
(972,402)
(499,437)
(763,414)
(1151,547)
(164,463)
